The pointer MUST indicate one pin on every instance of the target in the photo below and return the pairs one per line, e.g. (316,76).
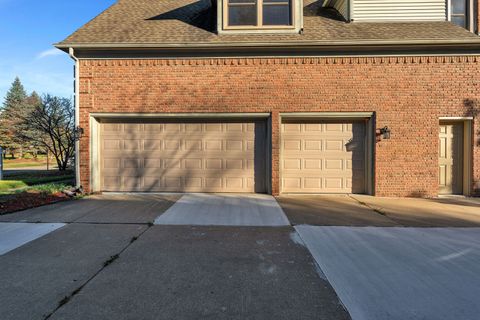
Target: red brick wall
(407,94)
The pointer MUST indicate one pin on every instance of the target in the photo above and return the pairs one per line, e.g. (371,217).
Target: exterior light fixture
(385,132)
(78,132)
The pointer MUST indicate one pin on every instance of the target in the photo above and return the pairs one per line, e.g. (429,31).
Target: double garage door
(183,156)
(213,156)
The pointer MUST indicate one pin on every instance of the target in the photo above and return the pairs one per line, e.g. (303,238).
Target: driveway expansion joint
(105,264)
(376,210)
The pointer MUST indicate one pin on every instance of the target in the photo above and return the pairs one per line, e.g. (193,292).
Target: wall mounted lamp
(78,132)
(385,132)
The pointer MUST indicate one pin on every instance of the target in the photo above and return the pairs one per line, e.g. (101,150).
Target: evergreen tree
(12,107)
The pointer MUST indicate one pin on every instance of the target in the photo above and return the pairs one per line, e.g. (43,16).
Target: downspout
(71,52)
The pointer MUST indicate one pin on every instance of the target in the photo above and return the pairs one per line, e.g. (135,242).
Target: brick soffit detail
(280,61)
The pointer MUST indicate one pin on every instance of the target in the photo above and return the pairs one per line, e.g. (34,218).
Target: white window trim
(470,14)
(260,25)
(223,28)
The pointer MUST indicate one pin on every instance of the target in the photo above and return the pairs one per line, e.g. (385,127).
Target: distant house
(280,96)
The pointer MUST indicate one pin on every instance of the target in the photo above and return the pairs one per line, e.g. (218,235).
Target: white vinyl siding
(399,10)
(390,10)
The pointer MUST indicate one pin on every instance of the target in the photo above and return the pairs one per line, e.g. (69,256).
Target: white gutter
(292,44)
(71,52)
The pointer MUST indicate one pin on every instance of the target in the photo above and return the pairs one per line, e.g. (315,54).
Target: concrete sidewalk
(400,273)
(14,235)
(225,210)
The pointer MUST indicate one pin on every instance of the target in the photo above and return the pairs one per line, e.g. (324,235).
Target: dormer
(259,16)
(459,12)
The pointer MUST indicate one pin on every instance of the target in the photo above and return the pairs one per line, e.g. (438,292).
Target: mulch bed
(27,200)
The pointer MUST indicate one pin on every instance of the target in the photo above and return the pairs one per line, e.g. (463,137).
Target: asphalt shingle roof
(180,22)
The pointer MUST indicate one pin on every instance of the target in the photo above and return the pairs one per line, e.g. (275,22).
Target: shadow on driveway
(439,212)
(326,210)
(366,211)
(179,272)
(36,277)
(107,208)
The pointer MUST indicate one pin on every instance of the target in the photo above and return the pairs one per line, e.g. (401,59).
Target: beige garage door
(323,157)
(183,157)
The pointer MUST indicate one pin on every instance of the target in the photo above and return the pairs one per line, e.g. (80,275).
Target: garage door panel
(323,157)
(292,164)
(291,183)
(112,182)
(313,164)
(313,183)
(152,163)
(153,128)
(112,128)
(334,183)
(313,145)
(152,145)
(113,145)
(289,144)
(183,157)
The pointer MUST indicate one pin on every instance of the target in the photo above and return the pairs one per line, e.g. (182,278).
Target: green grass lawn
(27,162)
(6,185)
(15,165)
(49,188)
(30,197)
(22,181)
(24,189)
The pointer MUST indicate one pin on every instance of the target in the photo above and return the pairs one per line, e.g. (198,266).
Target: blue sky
(28,28)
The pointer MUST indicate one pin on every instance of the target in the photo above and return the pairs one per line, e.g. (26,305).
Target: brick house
(280,96)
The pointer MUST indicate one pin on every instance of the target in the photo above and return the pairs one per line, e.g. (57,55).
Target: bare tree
(52,125)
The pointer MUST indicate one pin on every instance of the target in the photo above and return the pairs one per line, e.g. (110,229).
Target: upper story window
(258,14)
(459,12)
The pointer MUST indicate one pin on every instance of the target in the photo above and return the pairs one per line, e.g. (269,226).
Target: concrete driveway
(107,208)
(367,211)
(109,261)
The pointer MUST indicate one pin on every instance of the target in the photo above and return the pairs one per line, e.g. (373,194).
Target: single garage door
(323,157)
(183,156)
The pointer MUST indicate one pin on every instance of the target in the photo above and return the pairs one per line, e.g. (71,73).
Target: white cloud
(52,76)
(49,53)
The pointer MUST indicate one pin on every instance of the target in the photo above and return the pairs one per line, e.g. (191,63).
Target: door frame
(97,118)
(368,117)
(467,123)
